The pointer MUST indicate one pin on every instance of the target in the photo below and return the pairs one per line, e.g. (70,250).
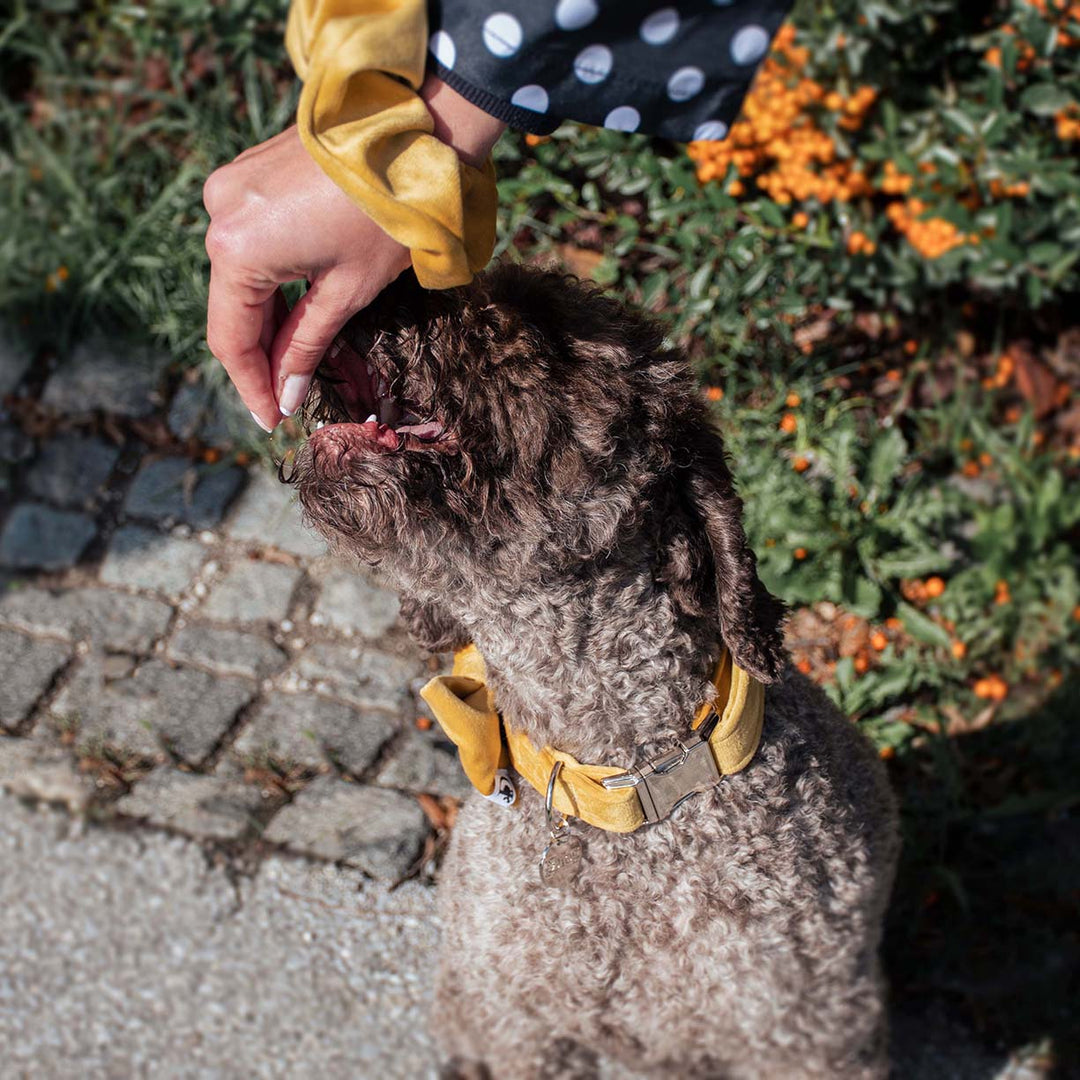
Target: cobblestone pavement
(175,648)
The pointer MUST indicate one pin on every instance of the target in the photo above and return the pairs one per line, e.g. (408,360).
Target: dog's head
(521,428)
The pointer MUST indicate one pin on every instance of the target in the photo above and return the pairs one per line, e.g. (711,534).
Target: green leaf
(1045,99)
(922,627)
(885,460)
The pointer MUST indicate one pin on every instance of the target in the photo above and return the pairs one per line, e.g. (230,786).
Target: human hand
(275,216)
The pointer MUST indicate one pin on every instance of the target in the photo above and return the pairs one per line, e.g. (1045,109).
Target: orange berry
(212,455)
(911,347)
(861,664)
(1076,613)
(800,220)
(714,393)
(878,641)
(788,423)
(62,273)
(793,401)
(423,723)
(887,753)
(893,623)
(893,375)
(804,666)
(800,464)
(971,468)
(959,650)
(934,587)
(1001,593)
(800,553)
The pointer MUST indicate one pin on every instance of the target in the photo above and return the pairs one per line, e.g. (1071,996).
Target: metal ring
(550,797)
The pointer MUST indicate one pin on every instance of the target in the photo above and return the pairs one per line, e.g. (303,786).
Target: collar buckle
(665,781)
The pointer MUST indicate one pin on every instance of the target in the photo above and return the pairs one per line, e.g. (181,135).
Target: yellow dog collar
(464,706)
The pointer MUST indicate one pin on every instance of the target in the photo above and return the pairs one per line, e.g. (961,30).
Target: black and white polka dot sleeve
(679,71)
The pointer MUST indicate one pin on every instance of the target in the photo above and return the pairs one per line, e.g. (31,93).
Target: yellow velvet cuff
(364,124)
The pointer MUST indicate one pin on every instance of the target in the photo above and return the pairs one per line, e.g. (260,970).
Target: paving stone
(351,603)
(231,652)
(41,537)
(267,513)
(204,806)
(27,668)
(378,831)
(112,376)
(307,730)
(38,768)
(71,470)
(112,620)
(212,413)
(177,489)
(252,591)
(15,357)
(145,559)
(15,445)
(181,708)
(425,761)
(368,678)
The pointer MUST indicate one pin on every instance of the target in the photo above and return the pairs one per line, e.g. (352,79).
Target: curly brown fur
(575,516)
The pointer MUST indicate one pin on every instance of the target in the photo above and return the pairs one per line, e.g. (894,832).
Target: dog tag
(561,861)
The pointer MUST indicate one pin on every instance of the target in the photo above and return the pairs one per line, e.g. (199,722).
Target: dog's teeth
(320,424)
(370,418)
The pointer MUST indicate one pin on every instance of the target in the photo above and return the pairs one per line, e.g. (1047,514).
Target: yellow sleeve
(363,122)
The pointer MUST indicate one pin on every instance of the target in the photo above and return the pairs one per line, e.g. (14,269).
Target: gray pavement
(129,954)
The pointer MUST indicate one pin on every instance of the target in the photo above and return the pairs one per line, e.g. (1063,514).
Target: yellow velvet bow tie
(465,709)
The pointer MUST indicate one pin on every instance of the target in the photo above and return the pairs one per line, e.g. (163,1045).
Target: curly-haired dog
(538,475)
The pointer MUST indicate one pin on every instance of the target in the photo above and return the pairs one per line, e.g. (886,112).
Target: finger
(274,312)
(307,332)
(233,327)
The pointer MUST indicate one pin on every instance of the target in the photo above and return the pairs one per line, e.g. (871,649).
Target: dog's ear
(431,627)
(709,566)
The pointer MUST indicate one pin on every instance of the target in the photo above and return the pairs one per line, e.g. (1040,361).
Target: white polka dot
(593,64)
(443,48)
(575,14)
(710,131)
(749,45)
(624,118)
(685,83)
(531,97)
(502,34)
(660,27)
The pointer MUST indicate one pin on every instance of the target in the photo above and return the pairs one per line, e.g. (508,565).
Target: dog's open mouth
(361,408)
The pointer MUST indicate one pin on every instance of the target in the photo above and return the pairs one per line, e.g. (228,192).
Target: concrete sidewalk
(126,954)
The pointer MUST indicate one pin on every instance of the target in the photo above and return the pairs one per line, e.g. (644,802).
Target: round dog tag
(561,861)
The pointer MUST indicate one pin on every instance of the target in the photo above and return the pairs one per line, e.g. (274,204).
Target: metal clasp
(666,780)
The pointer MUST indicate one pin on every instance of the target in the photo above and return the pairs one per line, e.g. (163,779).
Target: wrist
(459,123)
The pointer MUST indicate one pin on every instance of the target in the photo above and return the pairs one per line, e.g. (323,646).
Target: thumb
(303,338)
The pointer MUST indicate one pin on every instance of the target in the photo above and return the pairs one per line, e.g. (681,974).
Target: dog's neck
(601,666)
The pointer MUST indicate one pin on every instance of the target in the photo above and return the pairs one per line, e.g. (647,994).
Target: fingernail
(293,393)
(261,424)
